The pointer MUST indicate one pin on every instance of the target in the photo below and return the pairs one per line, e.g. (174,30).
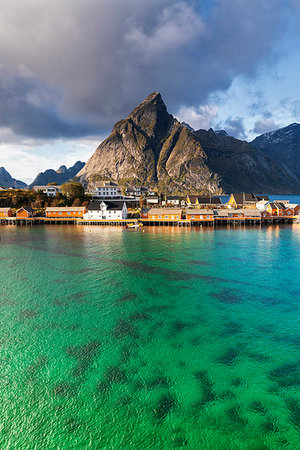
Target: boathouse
(201,201)
(276,209)
(265,214)
(106,211)
(6,212)
(199,215)
(167,214)
(292,209)
(24,213)
(65,212)
(245,200)
(144,213)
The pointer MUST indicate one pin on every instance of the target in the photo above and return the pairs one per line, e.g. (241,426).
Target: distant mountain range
(49,176)
(57,176)
(6,180)
(151,147)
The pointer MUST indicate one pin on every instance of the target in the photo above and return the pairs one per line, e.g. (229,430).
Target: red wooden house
(24,213)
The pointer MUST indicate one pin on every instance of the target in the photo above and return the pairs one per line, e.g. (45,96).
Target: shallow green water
(162,339)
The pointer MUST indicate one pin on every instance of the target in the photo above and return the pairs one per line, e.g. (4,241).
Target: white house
(107,190)
(136,191)
(171,200)
(152,200)
(51,191)
(106,210)
(261,205)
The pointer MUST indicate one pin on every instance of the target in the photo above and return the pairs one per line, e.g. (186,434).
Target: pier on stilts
(216,221)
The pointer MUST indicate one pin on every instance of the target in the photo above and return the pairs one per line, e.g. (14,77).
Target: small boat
(134,225)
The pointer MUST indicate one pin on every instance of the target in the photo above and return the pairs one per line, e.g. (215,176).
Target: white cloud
(264,125)
(200,117)
(25,161)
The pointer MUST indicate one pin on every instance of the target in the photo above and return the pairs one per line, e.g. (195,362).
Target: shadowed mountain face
(60,176)
(6,180)
(151,147)
(284,146)
(242,167)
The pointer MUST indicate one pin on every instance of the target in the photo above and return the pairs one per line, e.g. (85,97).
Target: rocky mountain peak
(3,171)
(62,169)
(6,180)
(152,116)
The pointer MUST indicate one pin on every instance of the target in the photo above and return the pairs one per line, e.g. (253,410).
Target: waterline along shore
(183,222)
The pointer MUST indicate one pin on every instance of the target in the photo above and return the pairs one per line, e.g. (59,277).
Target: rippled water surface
(162,338)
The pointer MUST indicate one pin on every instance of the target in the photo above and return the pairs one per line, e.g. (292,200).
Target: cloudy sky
(69,69)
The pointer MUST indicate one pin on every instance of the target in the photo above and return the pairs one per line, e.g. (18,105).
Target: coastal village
(135,206)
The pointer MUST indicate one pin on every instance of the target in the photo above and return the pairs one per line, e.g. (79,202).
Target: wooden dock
(216,221)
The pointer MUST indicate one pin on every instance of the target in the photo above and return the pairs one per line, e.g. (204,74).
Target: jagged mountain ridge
(57,176)
(151,147)
(6,180)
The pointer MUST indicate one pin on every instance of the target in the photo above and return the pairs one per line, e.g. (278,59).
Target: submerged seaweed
(164,406)
(41,362)
(159,381)
(28,314)
(287,375)
(115,375)
(294,408)
(84,355)
(235,415)
(65,389)
(123,329)
(230,357)
(140,316)
(208,394)
(128,297)
(257,407)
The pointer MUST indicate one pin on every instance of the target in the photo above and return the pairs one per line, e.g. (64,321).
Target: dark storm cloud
(105,56)
(28,108)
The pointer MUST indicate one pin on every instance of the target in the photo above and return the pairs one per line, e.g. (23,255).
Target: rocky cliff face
(57,176)
(151,147)
(6,180)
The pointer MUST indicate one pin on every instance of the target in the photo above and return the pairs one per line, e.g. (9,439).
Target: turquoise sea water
(158,339)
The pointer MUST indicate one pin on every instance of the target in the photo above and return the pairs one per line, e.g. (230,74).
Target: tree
(72,190)
(76,202)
